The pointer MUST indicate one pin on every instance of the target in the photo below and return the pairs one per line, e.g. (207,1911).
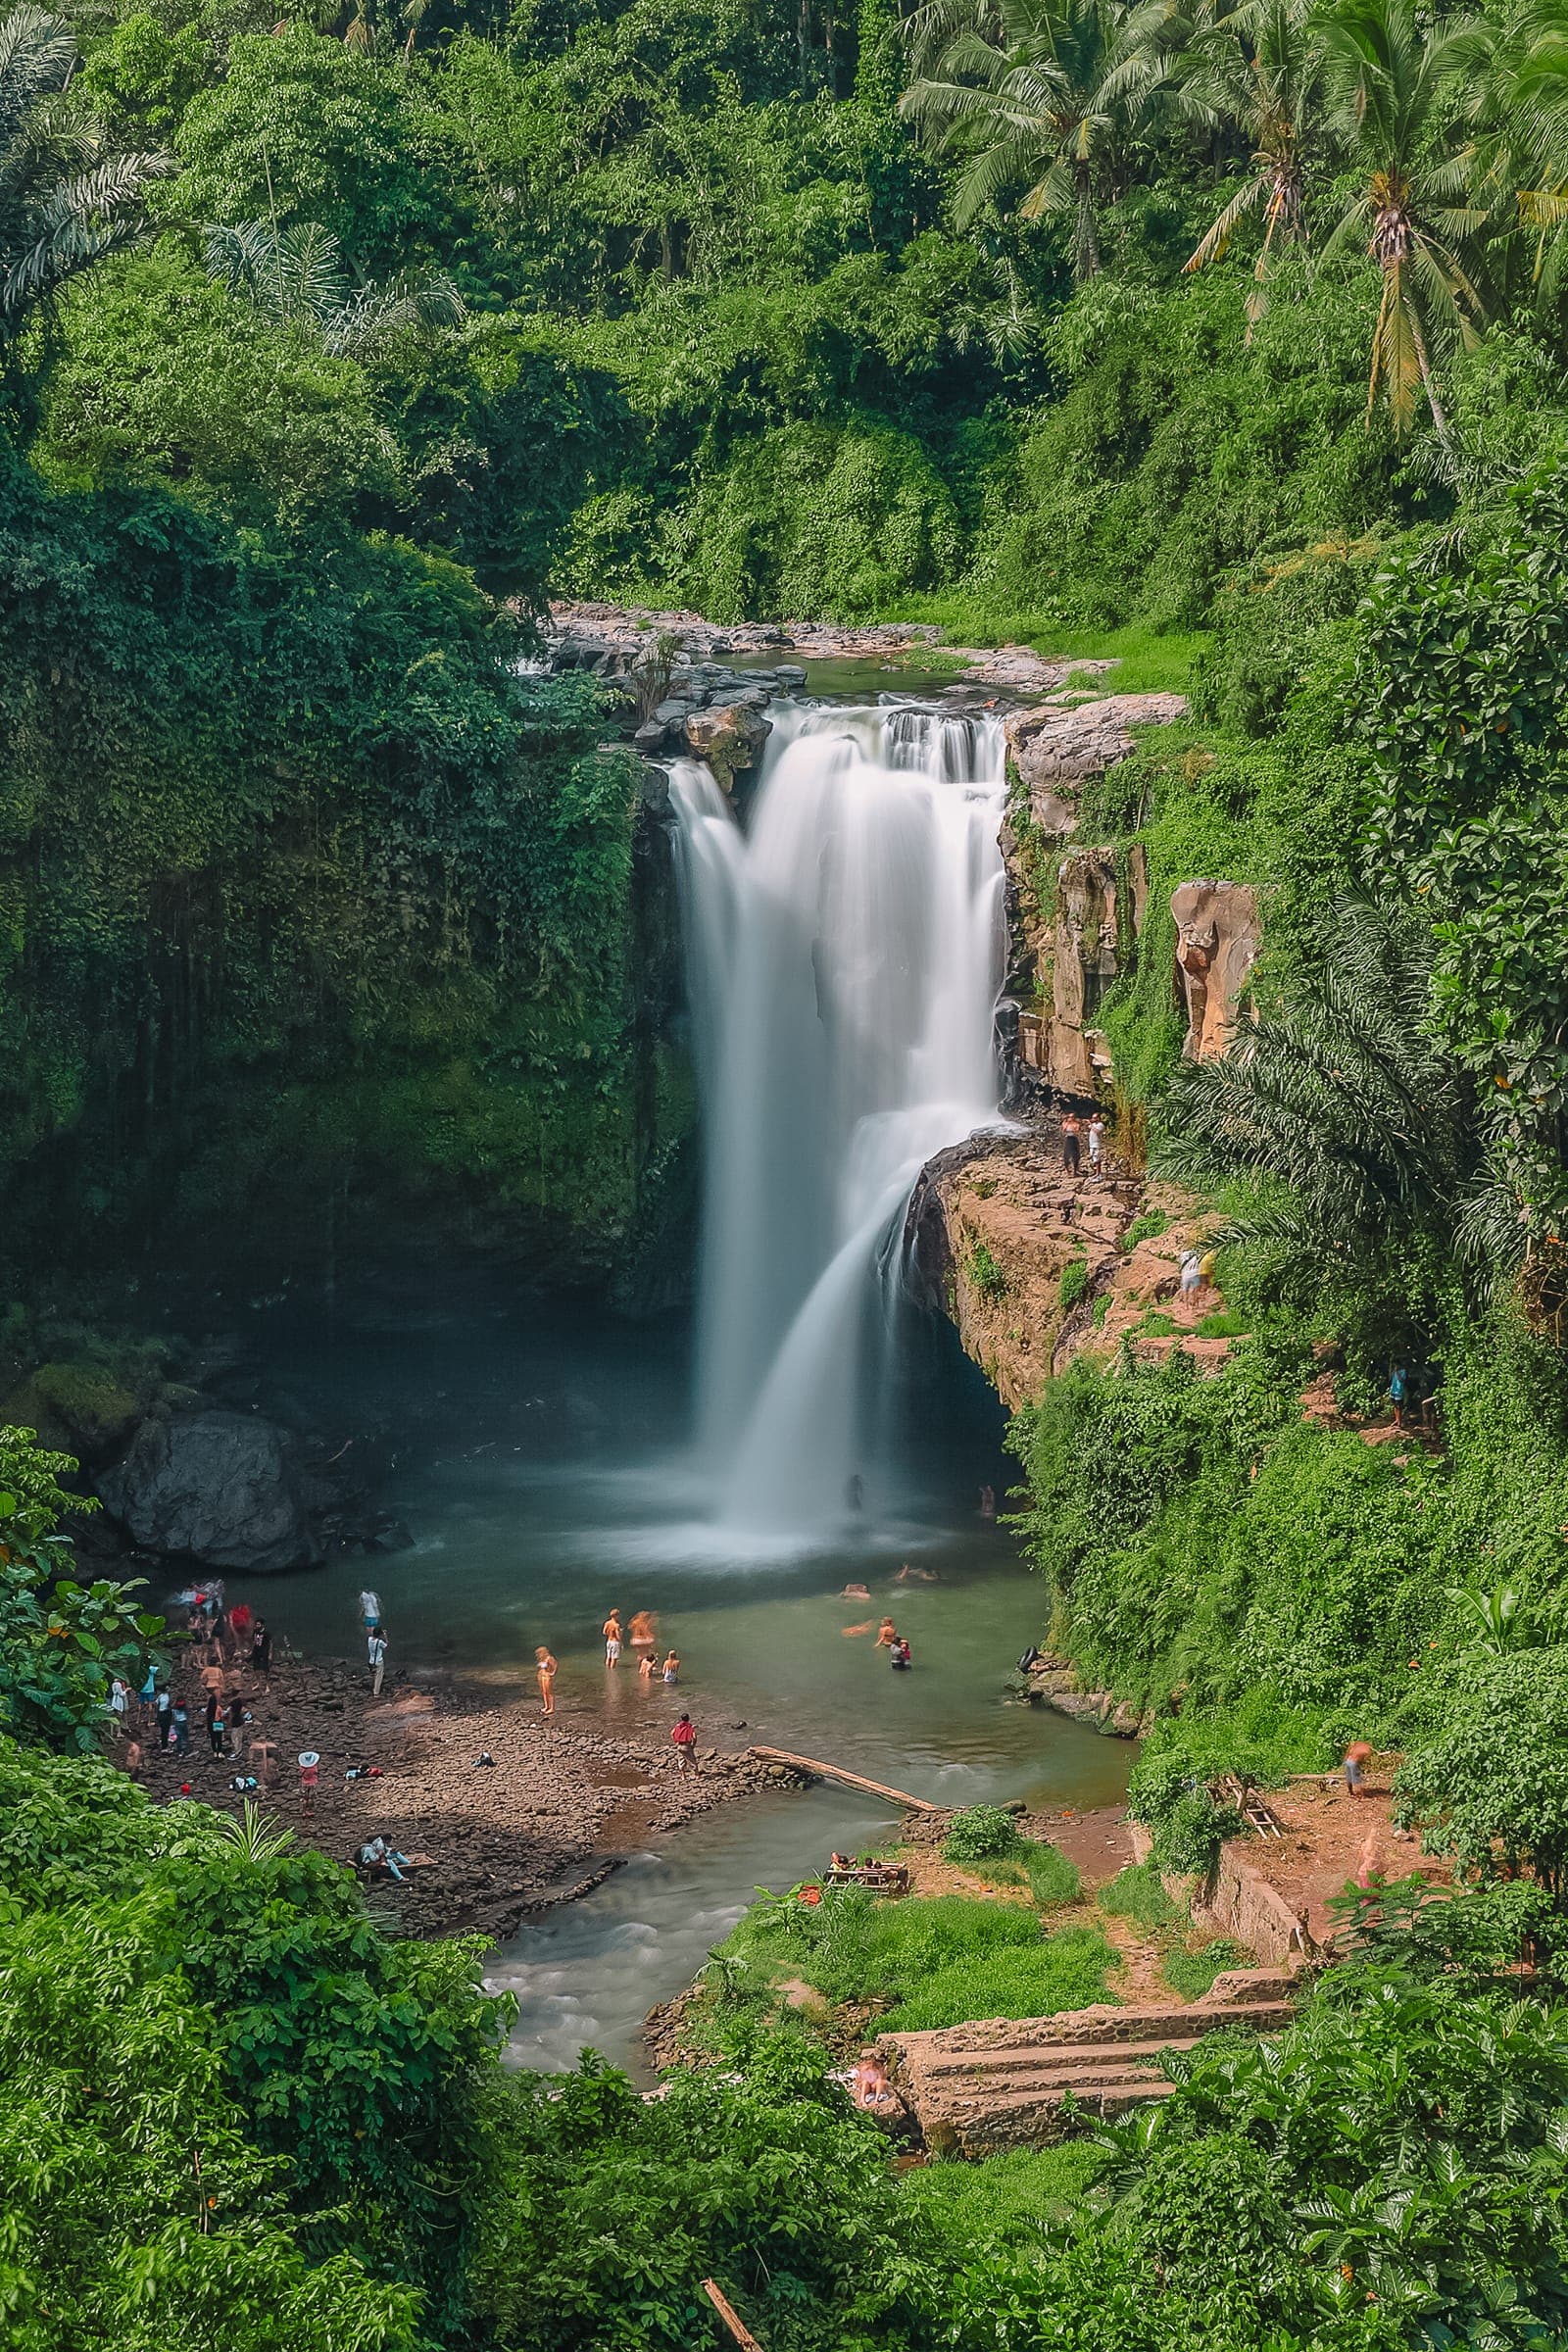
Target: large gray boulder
(221,1488)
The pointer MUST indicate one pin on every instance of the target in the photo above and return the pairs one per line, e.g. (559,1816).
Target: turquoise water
(537,1455)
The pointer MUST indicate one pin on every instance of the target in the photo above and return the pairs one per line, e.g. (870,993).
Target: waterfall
(844,959)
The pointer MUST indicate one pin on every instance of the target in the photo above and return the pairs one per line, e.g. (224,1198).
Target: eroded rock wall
(1075,909)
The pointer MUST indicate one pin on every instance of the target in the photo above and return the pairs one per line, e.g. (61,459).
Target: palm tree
(1362,1126)
(1389,77)
(1037,92)
(295,274)
(1257,70)
(1520,106)
(65,199)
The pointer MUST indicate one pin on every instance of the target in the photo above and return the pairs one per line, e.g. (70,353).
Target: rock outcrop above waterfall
(1055,748)
(996,1228)
(1218,936)
(729,737)
(615,641)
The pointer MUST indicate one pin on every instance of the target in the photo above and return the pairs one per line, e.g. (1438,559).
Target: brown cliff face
(1218,936)
(995,1223)
(1074,914)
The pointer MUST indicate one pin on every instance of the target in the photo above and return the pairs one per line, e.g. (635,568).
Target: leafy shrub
(1146,1228)
(979,1832)
(1188,1826)
(1139,1895)
(989,1278)
(1053,1879)
(1074,1282)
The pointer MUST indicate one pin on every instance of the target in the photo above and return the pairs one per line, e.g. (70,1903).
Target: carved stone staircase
(1001,2082)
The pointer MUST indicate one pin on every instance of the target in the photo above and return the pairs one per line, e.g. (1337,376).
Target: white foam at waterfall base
(845,954)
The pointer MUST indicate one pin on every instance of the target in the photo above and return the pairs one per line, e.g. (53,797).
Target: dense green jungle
(1227,342)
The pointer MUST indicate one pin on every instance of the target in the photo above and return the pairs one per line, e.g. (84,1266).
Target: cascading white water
(845,955)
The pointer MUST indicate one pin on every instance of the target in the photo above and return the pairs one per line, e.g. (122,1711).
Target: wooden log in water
(851,1780)
(730,2317)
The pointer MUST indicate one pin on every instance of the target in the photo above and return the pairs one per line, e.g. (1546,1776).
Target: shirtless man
(868,2085)
(613,1638)
(545,1668)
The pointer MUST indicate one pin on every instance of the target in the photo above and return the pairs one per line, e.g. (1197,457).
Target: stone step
(1108,2027)
(981,2066)
(1051,2080)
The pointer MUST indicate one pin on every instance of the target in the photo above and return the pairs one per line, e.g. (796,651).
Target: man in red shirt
(684,1736)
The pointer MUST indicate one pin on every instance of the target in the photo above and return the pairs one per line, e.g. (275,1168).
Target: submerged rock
(219,1487)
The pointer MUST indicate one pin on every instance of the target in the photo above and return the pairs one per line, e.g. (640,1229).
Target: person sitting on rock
(868,2085)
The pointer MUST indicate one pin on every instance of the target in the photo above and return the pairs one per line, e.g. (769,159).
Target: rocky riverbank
(557,1805)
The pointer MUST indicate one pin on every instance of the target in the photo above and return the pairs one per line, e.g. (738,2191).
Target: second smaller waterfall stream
(845,955)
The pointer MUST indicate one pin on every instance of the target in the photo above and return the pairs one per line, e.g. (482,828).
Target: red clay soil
(1331,1836)
(1099,1842)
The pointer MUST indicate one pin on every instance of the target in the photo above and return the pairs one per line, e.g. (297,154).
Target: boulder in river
(221,1488)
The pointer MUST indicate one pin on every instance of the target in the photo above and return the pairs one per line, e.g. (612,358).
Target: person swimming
(641,1632)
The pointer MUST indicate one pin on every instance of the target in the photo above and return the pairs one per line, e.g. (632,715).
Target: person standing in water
(671,1669)
(647,1668)
(885,1634)
(613,1638)
(371,1612)
(545,1668)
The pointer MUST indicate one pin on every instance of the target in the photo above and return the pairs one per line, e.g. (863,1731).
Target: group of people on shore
(375,1624)
(226,1645)
(1075,1137)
